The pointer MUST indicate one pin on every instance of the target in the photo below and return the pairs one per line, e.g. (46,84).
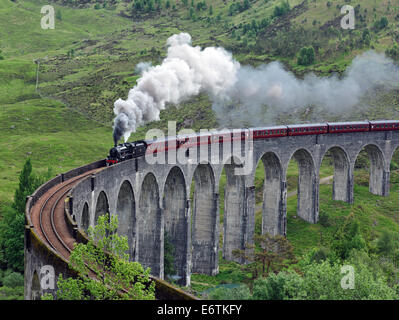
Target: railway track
(49,220)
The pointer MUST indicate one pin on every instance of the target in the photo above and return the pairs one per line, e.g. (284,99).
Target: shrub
(282,9)
(13,280)
(306,56)
(281,286)
(381,24)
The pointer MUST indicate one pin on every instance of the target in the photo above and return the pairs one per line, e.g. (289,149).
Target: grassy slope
(42,129)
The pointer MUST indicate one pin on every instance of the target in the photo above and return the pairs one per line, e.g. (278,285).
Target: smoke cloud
(185,72)
(243,95)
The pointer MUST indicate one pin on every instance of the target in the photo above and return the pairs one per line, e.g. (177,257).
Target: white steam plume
(185,72)
(240,93)
(281,91)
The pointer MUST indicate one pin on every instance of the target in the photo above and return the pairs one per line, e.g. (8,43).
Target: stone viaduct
(152,200)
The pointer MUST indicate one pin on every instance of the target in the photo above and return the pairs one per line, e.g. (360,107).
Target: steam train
(130,150)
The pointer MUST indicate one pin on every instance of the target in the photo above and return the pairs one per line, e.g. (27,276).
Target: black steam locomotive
(125,151)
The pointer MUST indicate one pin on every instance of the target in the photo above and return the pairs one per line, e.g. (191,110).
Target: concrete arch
(176,220)
(343,177)
(273,219)
(85,220)
(379,178)
(35,287)
(150,240)
(234,210)
(307,205)
(102,206)
(204,221)
(126,211)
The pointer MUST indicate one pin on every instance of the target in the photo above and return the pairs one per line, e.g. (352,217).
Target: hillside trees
(12,225)
(268,254)
(13,220)
(282,9)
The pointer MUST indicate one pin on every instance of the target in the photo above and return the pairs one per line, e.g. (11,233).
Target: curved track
(48,216)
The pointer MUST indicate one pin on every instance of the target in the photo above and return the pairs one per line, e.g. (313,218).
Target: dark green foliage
(1,57)
(281,286)
(13,280)
(58,14)
(12,223)
(381,24)
(7,293)
(366,37)
(393,52)
(201,6)
(282,9)
(387,244)
(26,187)
(319,254)
(144,6)
(323,219)
(169,250)
(12,239)
(238,7)
(306,56)
(347,237)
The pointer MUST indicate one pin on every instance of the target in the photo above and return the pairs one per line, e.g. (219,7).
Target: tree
(381,24)
(210,10)
(12,227)
(58,15)
(269,253)
(104,268)
(1,57)
(366,37)
(12,224)
(282,9)
(306,56)
(393,52)
(347,237)
(27,185)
